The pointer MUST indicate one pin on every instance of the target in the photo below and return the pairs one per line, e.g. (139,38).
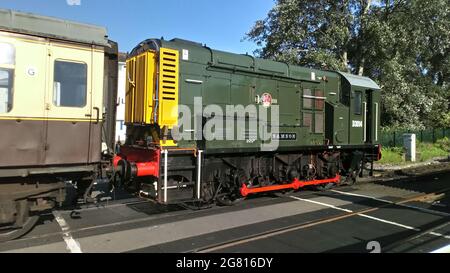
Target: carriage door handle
(97,110)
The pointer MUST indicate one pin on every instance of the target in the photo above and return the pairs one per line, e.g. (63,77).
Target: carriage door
(68,105)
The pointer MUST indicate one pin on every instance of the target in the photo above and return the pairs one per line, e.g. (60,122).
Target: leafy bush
(444,144)
(429,151)
(426,151)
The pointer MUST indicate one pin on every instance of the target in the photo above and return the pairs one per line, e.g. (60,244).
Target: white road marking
(72,245)
(445,249)
(393,203)
(321,204)
(388,222)
(368,216)
(440,235)
(361,195)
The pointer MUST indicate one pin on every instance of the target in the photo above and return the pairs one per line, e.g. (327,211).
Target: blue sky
(219,24)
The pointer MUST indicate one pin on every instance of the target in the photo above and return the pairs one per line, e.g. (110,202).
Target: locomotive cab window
(70,84)
(314,103)
(358,103)
(307,121)
(307,99)
(7,61)
(319,100)
(319,123)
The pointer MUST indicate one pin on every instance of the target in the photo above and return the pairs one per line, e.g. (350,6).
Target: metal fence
(395,138)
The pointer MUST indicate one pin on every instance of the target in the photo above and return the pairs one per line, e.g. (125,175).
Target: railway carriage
(57,92)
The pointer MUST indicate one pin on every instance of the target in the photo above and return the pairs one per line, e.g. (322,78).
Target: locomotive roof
(49,27)
(199,53)
(360,81)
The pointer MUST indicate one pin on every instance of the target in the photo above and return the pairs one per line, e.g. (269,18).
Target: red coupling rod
(297,184)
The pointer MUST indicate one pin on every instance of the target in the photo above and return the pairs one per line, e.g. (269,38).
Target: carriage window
(70,84)
(7,54)
(6,90)
(7,61)
(358,103)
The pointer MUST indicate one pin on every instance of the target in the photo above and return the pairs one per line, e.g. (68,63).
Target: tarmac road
(130,225)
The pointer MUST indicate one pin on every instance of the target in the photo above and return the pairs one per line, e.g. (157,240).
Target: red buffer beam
(297,184)
(147,169)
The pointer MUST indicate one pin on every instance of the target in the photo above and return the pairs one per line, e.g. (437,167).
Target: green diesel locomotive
(211,126)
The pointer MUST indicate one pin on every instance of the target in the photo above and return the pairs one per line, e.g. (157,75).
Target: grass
(392,156)
(425,152)
(430,151)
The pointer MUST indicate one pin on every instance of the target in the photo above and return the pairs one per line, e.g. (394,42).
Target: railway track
(166,216)
(417,236)
(116,205)
(279,231)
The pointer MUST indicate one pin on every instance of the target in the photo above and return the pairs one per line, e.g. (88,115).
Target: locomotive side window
(319,101)
(307,120)
(319,123)
(358,103)
(307,99)
(7,61)
(70,84)
(314,103)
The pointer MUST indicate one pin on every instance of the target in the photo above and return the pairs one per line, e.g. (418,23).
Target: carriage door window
(70,84)
(7,61)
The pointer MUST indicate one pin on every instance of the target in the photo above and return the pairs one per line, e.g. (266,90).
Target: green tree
(402,44)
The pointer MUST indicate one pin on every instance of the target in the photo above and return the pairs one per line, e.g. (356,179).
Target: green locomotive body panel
(316,108)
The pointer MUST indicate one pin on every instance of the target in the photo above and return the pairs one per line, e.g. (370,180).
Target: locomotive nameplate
(285,136)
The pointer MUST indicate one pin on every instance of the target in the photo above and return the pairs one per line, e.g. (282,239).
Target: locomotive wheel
(229,199)
(23,224)
(352,179)
(228,194)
